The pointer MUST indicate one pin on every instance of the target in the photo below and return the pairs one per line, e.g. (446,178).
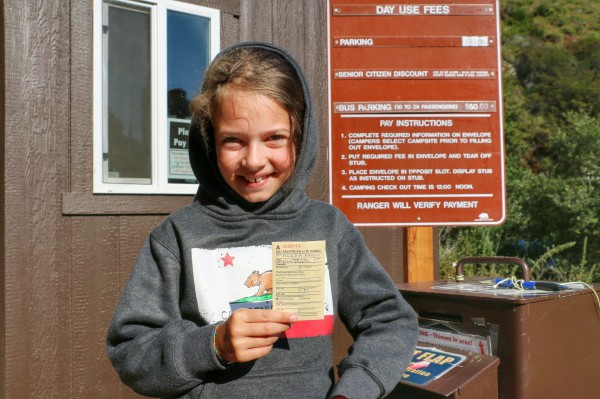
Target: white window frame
(160,151)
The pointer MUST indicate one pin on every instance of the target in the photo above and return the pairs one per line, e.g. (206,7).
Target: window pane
(127,132)
(188,55)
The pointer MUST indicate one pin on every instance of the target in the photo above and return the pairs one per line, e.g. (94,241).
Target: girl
(190,322)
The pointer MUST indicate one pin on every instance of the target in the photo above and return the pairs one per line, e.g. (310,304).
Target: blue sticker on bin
(430,363)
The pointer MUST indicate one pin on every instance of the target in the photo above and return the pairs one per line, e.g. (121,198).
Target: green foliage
(559,203)
(463,242)
(541,268)
(542,21)
(562,202)
(551,72)
(561,79)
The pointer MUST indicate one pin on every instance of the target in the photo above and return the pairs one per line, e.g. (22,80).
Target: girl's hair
(254,70)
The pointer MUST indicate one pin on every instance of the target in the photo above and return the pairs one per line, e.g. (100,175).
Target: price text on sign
(415,110)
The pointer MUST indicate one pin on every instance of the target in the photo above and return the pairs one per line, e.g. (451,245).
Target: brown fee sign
(415,112)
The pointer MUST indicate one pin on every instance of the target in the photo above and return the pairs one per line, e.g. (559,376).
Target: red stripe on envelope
(310,328)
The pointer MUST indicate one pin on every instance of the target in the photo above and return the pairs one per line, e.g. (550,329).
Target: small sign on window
(180,170)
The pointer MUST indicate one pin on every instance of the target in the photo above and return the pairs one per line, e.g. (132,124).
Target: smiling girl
(189,325)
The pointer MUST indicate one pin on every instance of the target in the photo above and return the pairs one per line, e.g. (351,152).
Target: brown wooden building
(66,252)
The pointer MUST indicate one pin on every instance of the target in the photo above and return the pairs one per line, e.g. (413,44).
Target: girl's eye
(278,138)
(230,140)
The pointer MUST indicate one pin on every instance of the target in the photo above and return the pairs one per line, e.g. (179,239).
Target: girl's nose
(255,158)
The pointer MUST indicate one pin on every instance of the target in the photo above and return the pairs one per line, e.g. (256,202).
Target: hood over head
(215,193)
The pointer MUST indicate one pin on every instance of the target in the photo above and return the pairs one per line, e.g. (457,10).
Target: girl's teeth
(257,180)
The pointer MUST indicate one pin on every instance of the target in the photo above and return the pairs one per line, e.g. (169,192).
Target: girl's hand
(249,334)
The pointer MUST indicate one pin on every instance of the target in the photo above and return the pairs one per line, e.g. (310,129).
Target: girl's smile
(252,138)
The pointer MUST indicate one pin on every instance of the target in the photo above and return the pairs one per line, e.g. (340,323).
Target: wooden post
(418,265)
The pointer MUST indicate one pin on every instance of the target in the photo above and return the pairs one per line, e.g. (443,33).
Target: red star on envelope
(228,260)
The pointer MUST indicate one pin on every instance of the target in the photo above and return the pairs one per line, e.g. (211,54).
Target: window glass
(188,55)
(127,143)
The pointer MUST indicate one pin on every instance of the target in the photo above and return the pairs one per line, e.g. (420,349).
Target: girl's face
(252,139)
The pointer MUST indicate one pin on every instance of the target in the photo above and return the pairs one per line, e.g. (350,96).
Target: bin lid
(482,290)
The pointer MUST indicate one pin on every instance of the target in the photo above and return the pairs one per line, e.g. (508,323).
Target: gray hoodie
(195,268)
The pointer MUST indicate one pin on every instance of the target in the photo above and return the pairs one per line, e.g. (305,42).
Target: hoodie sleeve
(153,349)
(382,324)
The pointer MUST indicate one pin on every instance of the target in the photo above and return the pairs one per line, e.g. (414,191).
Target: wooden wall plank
(103,251)
(95,276)
(256,20)
(230,30)
(37,283)
(82,99)
(288,28)
(387,244)
(315,67)
(3,225)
